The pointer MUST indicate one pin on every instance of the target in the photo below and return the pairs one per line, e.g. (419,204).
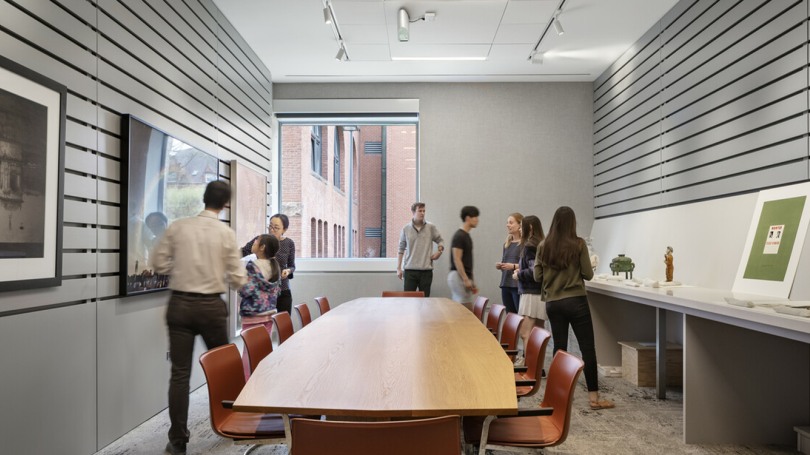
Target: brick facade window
(347,187)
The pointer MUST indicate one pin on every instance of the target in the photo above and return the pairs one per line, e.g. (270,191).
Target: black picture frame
(54,189)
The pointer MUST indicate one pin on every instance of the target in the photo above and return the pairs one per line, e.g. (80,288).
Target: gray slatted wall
(711,102)
(179,65)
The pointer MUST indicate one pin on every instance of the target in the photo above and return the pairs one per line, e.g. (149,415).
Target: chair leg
(251,449)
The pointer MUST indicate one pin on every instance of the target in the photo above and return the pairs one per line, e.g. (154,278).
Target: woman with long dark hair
(532,307)
(563,264)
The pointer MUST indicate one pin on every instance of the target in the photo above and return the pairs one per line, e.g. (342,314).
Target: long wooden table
(386,357)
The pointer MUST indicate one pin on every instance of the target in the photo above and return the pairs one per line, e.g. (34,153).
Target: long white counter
(746,371)
(710,304)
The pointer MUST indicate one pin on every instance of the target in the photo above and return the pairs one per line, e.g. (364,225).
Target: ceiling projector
(403,25)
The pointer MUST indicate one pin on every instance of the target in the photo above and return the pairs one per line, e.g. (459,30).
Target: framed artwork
(163,179)
(248,218)
(32,168)
(775,241)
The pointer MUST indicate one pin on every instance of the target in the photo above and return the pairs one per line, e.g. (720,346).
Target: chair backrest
(323,304)
(511,331)
(225,377)
(536,353)
(303,313)
(559,392)
(403,294)
(258,345)
(494,318)
(438,436)
(479,307)
(284,325)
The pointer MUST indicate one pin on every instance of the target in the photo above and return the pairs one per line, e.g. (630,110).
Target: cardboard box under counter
(638,363)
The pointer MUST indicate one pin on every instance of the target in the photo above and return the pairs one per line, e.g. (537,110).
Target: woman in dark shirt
(563,264)
(279,223)
(509,263)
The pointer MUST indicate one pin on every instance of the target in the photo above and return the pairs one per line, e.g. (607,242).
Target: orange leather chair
(223,372)
(257,344)
(403,294)
(479,307)
(535,352)
(303,313)
(323,304)
(536,428)
(439,436)
(494,318)
(510,334)
(284,325)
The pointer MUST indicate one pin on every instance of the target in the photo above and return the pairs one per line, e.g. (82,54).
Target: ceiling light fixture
(403,25)
(454,59)
(537,58)
(553,21)
(558,26)
(330,19)
(327,16)
(341,53)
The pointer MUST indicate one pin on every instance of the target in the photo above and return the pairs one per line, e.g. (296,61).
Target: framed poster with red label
(775,241)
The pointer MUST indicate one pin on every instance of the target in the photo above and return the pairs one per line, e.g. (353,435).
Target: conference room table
(382,358)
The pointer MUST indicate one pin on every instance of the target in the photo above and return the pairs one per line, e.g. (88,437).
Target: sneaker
(543,373)
(520,361)
(175,449)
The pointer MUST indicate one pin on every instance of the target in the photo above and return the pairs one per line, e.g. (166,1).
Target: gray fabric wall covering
(79,364)
(711,102)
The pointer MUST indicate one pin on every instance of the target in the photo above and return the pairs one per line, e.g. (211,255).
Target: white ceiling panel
(368,53)
(510,52)
(364,34)
(409,50)
(519,33)
(370,13)
(457,22)
(290,37)
(529,12)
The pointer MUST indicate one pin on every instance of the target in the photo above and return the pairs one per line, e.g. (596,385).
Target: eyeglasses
(274,228)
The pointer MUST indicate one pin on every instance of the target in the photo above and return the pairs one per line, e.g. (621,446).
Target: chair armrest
(531,412)
(227,404)
(521,369)
(525,382)
(511,351)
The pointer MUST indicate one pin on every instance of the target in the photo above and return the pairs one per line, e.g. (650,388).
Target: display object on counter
(668,261)
(622,264)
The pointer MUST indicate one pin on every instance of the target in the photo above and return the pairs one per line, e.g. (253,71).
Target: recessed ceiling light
(436,59)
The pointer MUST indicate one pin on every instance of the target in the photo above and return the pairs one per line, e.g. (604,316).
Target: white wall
(519,147)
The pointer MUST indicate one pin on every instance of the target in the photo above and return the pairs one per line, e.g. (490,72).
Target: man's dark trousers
(421,279)
(190,315)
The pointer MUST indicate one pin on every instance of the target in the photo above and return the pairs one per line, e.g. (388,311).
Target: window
(375,167)
(316,149)
(338,140)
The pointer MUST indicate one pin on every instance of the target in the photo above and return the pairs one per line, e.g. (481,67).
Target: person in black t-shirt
(460,279)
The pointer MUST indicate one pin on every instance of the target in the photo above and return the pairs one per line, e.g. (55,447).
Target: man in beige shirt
(199,253)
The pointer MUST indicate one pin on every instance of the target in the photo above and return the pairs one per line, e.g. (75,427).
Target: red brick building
(318,208)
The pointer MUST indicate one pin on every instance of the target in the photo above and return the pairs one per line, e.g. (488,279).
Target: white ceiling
(292,40)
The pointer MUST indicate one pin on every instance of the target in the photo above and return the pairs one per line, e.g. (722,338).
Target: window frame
(317,148)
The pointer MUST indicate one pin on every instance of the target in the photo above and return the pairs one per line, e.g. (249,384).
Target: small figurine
(668,262)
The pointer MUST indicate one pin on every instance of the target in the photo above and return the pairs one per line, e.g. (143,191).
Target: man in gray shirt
(416,246)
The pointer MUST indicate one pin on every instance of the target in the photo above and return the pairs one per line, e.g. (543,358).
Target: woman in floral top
(259,296)
(279,223)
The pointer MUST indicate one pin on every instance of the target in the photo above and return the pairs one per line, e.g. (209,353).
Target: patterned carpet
(639,425)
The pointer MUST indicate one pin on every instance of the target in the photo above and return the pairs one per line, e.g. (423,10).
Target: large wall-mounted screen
(164,180)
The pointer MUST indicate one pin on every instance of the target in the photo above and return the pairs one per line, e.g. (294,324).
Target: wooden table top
(386,357)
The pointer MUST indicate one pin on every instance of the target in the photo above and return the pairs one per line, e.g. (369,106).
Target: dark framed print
(32,168)
(163,179)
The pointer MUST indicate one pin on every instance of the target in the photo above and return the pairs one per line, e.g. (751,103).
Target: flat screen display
(165,180)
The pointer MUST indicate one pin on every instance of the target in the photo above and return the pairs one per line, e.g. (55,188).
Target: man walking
(460,279)
(416,246)
(198,252)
